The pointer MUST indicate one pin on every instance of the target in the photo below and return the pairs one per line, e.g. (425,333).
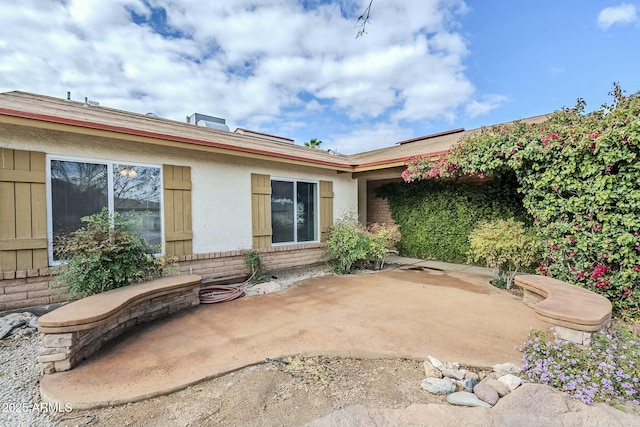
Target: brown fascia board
(158,136)
(254,133)
(430,136)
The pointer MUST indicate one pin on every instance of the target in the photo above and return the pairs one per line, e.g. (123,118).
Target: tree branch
(363,20)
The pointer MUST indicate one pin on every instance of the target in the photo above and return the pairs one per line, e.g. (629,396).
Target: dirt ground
(287,392)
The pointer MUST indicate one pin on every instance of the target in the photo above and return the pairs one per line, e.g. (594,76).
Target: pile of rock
(16,325)
(467,387)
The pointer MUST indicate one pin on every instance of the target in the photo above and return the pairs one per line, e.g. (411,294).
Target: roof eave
(83,127)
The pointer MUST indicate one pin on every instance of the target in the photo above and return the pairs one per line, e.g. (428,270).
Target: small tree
(505,246)
(106,254)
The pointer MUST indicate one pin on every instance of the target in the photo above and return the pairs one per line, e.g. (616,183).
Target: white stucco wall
(221,184)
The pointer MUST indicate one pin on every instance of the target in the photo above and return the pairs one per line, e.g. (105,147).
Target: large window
(294,211)
(80,188)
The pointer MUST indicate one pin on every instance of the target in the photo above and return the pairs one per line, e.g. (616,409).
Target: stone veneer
(77,330)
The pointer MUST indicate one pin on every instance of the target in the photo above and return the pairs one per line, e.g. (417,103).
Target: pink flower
(553,135)
(580,275)
(594,135)
(601,284)
(636,268)
(599,271)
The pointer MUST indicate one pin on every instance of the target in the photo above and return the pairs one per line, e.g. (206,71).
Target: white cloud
(485,105)
(366,139)
(252,62)
(624,13)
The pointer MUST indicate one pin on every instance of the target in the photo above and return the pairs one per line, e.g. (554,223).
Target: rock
(439,385)
(458,374)
(14,323)
(486,393)
(452,365)
(492,375)
(435,362)
(470,375)
(511,381)
(463,398)
(431,371)
(469,383)
(498,386)
(506,368)
(264,288)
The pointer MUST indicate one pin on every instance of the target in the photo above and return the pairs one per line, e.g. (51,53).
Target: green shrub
(347,243)
(437,216)
(254,264)
(505,246)
(578,174)
(384,237)
(106,254)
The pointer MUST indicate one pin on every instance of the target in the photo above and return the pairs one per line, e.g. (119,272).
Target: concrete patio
(454,315)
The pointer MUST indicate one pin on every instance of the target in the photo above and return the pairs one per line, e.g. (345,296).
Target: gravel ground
(20,403)
(19,377)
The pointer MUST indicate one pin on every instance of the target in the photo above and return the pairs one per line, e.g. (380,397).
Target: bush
(607,370)
(505,246)
(437,216)
(384,237)
(578,174)
(256,269)
(106,254)
(349,243)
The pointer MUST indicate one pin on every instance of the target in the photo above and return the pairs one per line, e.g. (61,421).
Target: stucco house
(204,194)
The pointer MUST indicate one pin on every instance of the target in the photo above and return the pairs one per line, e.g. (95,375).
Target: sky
(296,68)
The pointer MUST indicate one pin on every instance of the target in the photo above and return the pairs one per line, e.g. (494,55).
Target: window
(80,188)
(294,216)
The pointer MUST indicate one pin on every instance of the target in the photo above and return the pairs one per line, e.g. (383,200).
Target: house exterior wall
(221,205)
(378,209)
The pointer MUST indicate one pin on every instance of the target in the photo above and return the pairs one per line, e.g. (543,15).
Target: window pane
(136,195)
(282,211)
(306,212)
(77,190)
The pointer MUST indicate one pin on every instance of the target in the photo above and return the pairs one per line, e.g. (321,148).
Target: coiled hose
(219,293)
(222,293)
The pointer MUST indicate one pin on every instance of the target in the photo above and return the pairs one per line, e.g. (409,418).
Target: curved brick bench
(78,329)
(576,312)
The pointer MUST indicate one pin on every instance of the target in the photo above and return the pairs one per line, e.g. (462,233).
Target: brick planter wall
(29,288)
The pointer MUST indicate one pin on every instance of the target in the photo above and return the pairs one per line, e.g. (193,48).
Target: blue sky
(296,69)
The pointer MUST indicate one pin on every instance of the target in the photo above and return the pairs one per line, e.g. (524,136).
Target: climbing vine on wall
(579,174)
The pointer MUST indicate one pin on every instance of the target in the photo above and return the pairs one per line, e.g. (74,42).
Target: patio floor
(452,315)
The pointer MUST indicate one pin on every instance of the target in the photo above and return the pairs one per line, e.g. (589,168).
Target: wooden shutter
(23,210)
(177,210)
(261,210)
(326,208)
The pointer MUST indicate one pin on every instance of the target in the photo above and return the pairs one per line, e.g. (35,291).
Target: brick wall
(30,288)
(378,208)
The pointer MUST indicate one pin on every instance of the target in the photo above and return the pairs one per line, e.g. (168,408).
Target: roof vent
(210,122)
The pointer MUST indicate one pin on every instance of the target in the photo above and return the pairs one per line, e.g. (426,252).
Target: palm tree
(313,143)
